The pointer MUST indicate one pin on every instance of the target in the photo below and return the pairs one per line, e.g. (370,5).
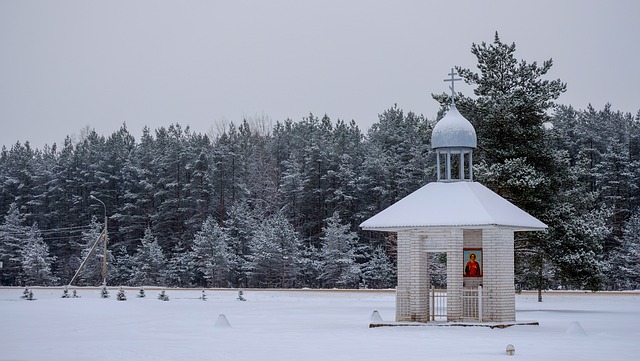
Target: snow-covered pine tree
(36,261)
(123,267)
(136,201)
(378,272)
(275,254)
(344,178)
(163,296)
(119,148)
(197,192)
(179,271)
(575,245)
(509,110)
(241,296)
(240,226)
(310,266)
(170,158)
(338,265)
(104,292)
(149,263)
(316,151)
(121,296)
(19,179)
(292,189)
(627,258)
(14,236)
(210,255)
(225,170)
(65,210)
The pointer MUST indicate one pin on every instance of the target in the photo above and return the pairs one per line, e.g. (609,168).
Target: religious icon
(473,262)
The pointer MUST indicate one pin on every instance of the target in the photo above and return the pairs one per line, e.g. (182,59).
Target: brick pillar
(403,288)
(413,279)
(455,264)
(498,288)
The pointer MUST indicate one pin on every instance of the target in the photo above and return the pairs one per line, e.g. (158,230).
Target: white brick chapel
(470,223)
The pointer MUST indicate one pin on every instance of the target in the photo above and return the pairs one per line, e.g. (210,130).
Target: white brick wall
(498,250)
(412,303)
(413,278)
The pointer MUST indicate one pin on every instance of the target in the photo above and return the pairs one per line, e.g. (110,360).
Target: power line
(51,230)
(69,229)
(69,237)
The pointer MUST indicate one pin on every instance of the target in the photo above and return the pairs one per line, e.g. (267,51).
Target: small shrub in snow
(204,296)
(141,293)
(163,296)
(240,297)
(121,295)
(65,293)
(104,293)
(75,294)
(27,295)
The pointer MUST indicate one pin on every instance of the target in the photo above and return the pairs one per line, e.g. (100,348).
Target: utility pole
(105,238)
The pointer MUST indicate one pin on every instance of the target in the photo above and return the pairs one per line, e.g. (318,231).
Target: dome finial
(453,79)
(454,135)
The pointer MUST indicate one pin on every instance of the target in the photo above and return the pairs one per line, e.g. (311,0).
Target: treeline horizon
(278,205)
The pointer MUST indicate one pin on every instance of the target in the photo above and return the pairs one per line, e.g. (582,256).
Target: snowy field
(301,325)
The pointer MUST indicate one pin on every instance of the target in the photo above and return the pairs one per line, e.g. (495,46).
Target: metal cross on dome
(453,79)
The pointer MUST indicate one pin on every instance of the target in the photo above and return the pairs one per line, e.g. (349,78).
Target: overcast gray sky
(69,64)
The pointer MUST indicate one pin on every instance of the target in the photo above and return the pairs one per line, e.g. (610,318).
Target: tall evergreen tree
(516,159)
(627,260)
(241,225)
(36,261)
(275,254)
(379,272)
(14,237)
(149,263)
(139,178)
(338,263)
(210,255)
(18,183)
(180,272)
(168,221)
(63,214)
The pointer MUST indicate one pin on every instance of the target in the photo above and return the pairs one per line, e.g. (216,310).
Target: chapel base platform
(454,324)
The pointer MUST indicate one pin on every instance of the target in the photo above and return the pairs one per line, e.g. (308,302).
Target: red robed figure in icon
(472,268)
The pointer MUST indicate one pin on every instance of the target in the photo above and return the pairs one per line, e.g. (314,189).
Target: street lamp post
(104,256)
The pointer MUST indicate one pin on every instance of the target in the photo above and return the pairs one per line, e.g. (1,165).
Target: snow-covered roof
(453,205)
(453,131)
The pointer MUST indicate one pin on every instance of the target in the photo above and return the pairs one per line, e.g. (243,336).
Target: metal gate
(437,304)
(471,304)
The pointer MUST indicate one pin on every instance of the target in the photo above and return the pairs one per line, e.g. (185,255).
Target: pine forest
(278,204)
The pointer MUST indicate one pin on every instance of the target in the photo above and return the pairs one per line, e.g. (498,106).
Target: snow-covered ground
(302,325)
